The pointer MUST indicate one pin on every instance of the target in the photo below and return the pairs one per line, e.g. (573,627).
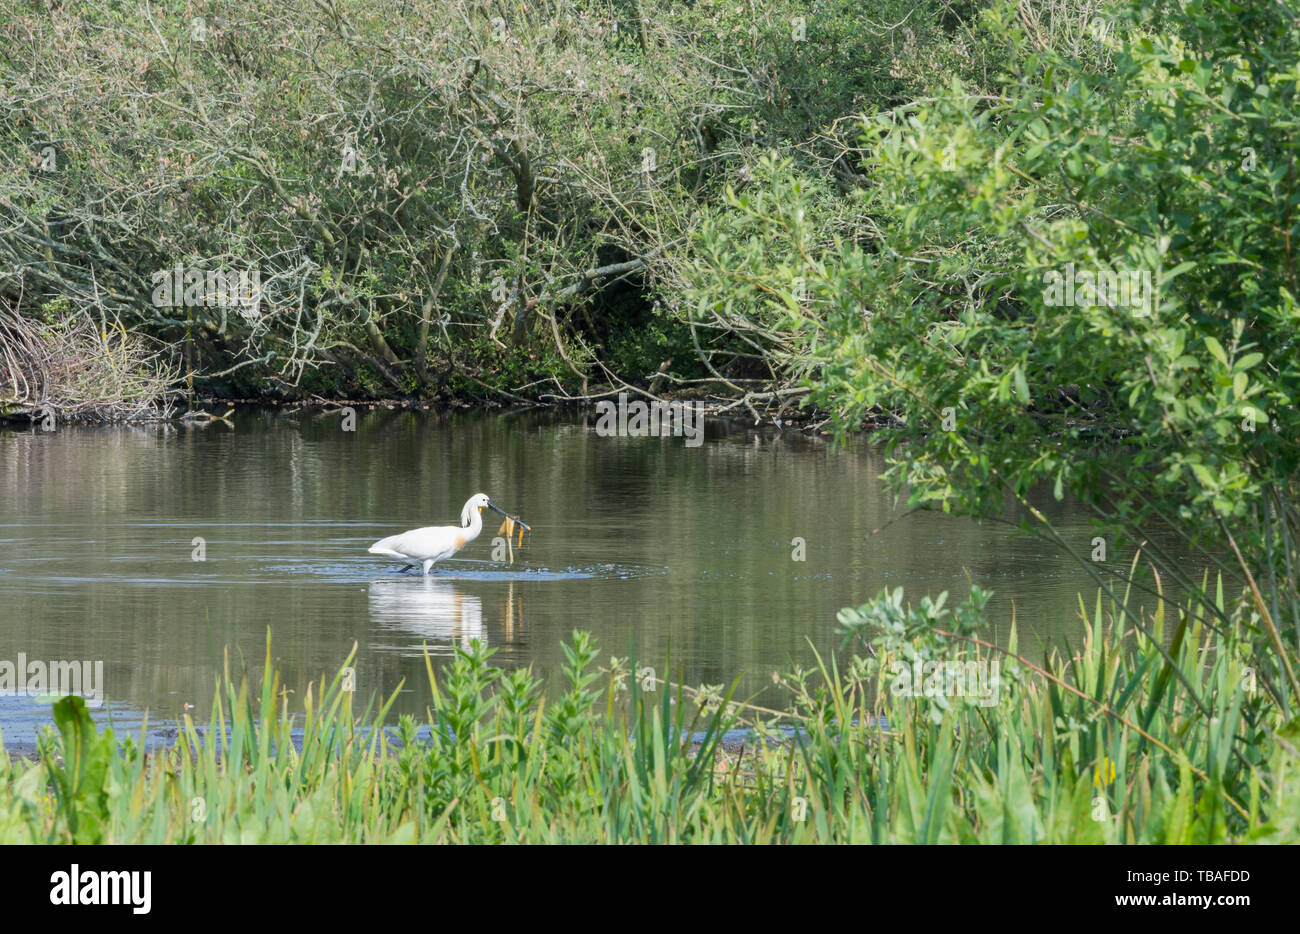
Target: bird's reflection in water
(430,609)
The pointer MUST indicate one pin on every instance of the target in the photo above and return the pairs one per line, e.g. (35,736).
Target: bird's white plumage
(435,542)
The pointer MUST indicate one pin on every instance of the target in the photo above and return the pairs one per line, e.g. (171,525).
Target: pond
(731,556)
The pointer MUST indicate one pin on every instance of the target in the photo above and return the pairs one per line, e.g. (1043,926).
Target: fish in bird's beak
(495,508)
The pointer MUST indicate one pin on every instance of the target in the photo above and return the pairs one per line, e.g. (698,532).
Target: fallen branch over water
(202,417)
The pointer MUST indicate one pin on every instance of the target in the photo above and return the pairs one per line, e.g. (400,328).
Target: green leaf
(1216,349)
(1208,479)
(1178,270)
(1022,387)
(1246,362)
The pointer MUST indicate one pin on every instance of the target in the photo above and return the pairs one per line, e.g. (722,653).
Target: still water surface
(651,545)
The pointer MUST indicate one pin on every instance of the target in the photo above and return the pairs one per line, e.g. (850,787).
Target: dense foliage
(965,294)
(439,198)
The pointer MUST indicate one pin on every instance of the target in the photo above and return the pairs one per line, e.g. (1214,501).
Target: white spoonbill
(435,542)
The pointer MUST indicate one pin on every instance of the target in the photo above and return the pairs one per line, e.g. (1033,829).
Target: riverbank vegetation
(1084,283)
(67,368)
(1095,745)
(437,200)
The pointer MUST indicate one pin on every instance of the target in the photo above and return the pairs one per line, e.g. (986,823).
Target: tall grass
(1097,744)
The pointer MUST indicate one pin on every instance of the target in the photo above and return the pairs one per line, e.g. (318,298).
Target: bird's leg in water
(405,568)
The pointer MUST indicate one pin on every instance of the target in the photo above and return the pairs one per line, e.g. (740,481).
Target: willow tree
(1086,281)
